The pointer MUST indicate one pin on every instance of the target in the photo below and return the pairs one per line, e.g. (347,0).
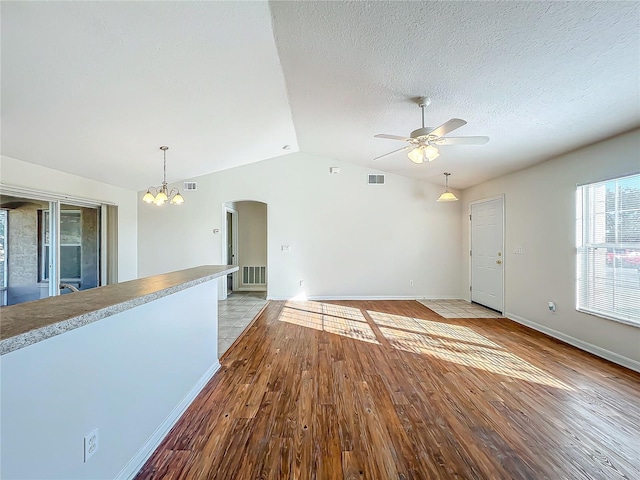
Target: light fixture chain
(164,154)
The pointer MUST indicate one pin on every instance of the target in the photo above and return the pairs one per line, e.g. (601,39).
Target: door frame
(234,247)
(504,244)
(55,200)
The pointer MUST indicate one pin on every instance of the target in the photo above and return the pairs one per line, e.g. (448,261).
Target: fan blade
(391,137)
(447,127)
(462,141)
(395,151)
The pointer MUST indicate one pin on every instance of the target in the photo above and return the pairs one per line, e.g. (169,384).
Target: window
(70,245)
(608,241)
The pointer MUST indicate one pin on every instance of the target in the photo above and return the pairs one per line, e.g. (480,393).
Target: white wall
(252,238)
(540,218)
(346,238)
(16,173)
(129,375)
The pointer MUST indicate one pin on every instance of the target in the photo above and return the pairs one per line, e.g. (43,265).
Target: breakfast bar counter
(28,323)
(119,363)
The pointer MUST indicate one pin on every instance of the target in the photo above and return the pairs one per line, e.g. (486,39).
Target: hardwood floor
(387,390)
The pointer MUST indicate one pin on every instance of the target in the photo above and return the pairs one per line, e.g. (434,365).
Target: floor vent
(376,179)
(254,275)
(190,186)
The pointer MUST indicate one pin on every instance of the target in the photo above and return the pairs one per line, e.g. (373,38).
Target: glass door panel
(21,265)
(79,248)
(3,256)
(28,248)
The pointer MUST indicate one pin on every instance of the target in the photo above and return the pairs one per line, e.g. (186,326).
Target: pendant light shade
(447,196)
(162,194)
(416,155)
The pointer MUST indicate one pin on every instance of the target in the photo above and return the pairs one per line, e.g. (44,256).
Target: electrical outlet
(90,444)
(411,283)
(302,283)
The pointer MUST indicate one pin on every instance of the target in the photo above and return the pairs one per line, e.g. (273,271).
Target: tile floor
(234,314)
(459,309)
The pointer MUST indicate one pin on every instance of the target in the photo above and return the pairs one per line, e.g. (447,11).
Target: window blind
(608,248)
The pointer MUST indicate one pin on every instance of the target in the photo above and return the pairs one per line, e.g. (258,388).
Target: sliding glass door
(48,247)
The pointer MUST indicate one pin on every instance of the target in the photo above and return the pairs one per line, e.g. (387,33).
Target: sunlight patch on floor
(313,317)
(456,332)
(327,309)
(492,360)
(452,343)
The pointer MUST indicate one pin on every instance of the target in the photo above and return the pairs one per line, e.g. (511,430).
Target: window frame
(43,273)
(585,246)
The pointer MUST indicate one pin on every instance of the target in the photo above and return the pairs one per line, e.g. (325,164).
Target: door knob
(498,262)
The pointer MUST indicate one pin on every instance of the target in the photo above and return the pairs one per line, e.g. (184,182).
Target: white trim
(370,297)
(51,197)
(137,462)
(235,241)
(102,244)
(582,345)
(54,248)
(608,179)
(631,323)
(222,288)
(502,197)
(488,199)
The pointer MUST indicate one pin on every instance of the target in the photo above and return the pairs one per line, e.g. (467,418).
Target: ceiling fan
(423,141)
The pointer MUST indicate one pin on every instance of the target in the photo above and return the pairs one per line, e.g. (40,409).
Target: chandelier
(162,194)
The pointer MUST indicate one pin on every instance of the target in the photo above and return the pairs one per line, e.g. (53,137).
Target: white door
(487,253)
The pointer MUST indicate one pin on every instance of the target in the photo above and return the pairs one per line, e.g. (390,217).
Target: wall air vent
(254,275)
(376,179)
(189,186)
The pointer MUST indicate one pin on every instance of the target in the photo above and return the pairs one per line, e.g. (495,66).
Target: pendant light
(447,196)
(162,194)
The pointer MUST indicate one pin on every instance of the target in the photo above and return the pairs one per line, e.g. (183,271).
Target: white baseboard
(137,462)
(582,345)
(371,297)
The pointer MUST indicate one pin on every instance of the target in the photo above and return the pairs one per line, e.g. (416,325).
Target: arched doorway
(243,293)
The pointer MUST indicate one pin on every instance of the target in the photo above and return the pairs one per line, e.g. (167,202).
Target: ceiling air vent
(189,186)
(376,179)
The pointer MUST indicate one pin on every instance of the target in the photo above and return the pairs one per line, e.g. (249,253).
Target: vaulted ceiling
(94,88)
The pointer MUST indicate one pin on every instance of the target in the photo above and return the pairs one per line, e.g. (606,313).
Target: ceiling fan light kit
(422,153)
(423,141)
(162,194)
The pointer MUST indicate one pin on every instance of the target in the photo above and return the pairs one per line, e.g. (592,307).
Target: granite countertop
(28,323)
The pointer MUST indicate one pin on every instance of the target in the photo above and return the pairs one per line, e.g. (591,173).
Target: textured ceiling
(539,78)
(93,88)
